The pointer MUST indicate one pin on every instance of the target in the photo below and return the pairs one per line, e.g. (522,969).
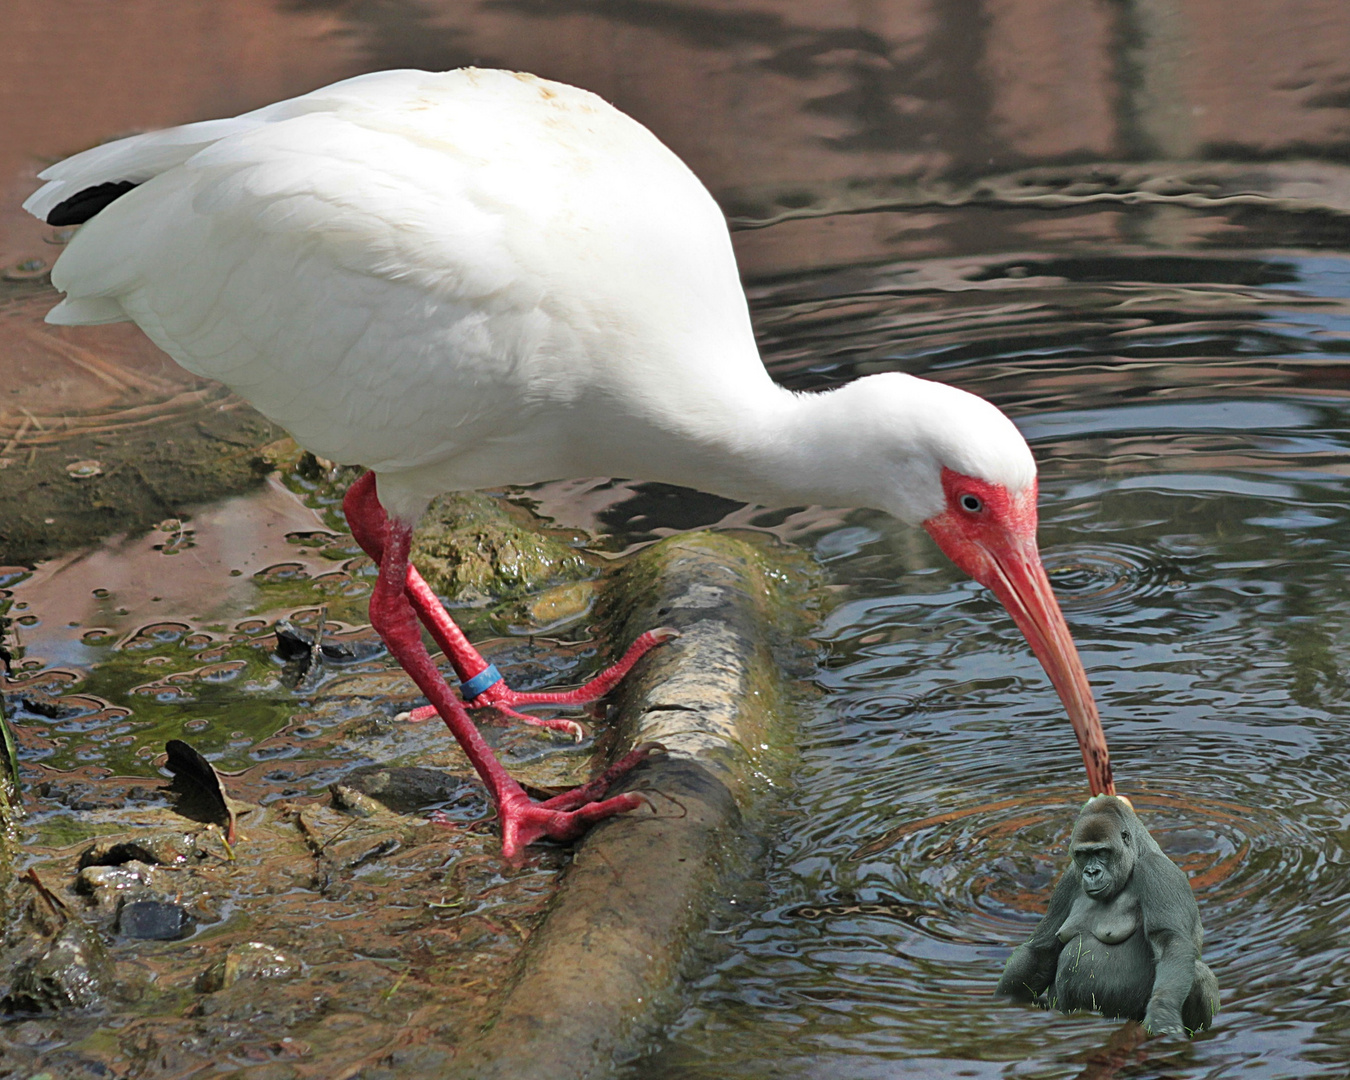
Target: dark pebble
(406,789)
(154,920)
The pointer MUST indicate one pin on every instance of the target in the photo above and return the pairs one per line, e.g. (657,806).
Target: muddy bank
(342,932)
(101,433)
(342,925)
(338,912)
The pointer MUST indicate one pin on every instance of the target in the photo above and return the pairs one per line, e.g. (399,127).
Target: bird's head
(968,477)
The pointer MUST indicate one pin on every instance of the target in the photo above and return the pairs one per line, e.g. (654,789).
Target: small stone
(561,603)
(356,803)
(32,1033)
(163,849)
(30,269)
(73,972)
(154,920)
(252,960)
(100,881)
(405,789)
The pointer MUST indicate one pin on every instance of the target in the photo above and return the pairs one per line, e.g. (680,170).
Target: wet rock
(252,960)
(560,604)
(155,920)
(354,802)
(111,890)
(109,886)
(402,788)
(355,856)
(80,796)
(33,1033)
(161,849)
(49,707)
(468,547)
(72,972)
(75,795)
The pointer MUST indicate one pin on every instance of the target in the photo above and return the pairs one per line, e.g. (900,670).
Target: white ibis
(478,278)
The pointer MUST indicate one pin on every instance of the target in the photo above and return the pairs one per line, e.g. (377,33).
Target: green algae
(469,547)
(777,599)
(219,686)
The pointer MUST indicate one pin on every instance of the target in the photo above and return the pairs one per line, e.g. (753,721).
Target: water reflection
(1196,522)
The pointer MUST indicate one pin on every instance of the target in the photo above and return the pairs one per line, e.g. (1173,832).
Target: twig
(14,439)
(53,901)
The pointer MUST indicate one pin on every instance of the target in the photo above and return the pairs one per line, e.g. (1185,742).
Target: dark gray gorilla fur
(1122,936)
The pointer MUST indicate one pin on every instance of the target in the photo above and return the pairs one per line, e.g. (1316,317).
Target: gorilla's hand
(1164,1023)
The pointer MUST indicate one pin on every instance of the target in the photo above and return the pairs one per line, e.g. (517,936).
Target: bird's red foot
(567,816)
(497,695)
(399,600)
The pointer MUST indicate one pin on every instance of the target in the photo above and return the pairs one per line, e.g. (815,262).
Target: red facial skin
(995,543)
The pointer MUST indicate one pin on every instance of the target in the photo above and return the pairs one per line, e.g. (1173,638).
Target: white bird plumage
(477,278)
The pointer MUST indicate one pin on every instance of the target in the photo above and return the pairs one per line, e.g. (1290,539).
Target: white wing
(410,270)
(141,157)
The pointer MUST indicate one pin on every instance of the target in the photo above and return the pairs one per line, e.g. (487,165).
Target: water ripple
(1195,524)
(1109,577)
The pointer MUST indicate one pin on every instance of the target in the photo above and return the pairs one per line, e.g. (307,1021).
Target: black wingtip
(83,205)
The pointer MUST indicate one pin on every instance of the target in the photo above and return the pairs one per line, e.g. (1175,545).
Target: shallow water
(1190,416)
(1192,421)
(1188,409)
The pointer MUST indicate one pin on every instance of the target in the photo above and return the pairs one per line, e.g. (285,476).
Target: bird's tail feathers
(137,158)
(87,311)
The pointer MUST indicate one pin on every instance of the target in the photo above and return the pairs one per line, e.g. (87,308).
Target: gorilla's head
(1105,842)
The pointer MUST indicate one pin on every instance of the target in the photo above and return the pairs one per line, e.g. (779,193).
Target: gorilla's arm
(1031,968)
(1172,924)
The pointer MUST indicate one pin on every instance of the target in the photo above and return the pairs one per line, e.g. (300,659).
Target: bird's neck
(774,447)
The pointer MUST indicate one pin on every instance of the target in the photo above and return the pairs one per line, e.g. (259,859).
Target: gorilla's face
(1103,848)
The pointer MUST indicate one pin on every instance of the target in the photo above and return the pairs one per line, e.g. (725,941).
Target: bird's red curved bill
(1020,582)
(1004,557)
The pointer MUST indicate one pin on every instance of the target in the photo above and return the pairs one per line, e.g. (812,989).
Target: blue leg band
(471,688)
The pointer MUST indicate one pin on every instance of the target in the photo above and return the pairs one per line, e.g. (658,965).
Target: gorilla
(1122,936)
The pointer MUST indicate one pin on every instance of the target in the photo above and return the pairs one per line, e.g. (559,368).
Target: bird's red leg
(523,821)
(482,685)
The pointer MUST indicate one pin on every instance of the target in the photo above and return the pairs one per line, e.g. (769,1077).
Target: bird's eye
(971,504)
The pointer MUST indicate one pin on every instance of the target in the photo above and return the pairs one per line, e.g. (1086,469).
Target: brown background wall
(753,95)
